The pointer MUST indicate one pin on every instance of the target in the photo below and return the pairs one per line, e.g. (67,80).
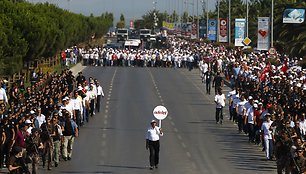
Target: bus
(122,34)
(145,34)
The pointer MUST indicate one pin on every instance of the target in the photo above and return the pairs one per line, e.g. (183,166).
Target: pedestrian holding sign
(153,134)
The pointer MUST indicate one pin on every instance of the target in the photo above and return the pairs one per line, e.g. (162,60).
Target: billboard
(212,29)
(293,15)
(263,33)
(239,32)
(223,30)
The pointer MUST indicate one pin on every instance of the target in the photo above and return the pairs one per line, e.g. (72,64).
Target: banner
(131,24)
(212,29)
(239,32)
(169,26)
(263,41)
(294,15)
(223,30)
(194,31)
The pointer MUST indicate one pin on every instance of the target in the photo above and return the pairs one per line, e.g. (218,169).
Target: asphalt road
(113,142)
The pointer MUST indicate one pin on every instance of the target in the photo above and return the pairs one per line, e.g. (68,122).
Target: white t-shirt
(153,133)
(250,115)
(41,119)
(220,100)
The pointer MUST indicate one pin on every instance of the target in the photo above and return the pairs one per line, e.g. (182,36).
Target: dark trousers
(92,107)
(219,114)
(231,110)
(251,132)
(235,116)
(240,123)
(154,152)
(78,117)
(1,155)
(208,86)
(98,103)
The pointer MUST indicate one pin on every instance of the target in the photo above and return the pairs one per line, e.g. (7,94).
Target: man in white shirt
(303,125)
(3,96)
(92,97)
(240,108)
(152,143)
(267,136)
(250,120)
(77,108)
(40,118)
(220,103)
(100,94)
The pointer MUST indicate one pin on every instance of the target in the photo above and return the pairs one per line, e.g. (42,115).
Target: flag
(284,67)
(267,70)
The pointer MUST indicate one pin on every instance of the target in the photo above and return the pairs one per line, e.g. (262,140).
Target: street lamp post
(229,22)
(154,16)
(247,18)
(218,21)
(198,22)
(272,25)
(207,19)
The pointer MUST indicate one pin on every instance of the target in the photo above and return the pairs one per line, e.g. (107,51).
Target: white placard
(160,112)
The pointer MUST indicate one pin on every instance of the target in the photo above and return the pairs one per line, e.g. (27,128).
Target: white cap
(32,112)
(255,105)
(153,121)
(28,122)
(250,97)
(65,98)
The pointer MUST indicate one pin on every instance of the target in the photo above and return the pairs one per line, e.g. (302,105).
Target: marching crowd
(39,123)
(267,101)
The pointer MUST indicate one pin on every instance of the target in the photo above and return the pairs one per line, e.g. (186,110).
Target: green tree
(120,24)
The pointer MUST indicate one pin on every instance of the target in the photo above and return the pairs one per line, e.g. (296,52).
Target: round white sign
(223,22)
(160,112)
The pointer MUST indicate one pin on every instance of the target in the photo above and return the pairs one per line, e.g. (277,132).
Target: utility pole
(272,25)
(218,21)
(198,22)
(247,18)
(229,22)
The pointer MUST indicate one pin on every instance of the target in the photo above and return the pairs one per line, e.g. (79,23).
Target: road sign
(272,51)
(246,41)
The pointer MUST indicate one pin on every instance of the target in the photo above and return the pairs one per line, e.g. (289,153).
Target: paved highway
(113,141)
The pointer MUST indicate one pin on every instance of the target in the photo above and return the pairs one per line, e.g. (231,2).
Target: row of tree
(32,31)
(288,38)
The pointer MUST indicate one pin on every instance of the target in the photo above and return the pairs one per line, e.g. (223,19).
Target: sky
(131,9)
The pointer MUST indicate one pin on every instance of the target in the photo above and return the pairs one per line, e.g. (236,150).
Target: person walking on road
(208,77)
(220,103)
(100,94)
(152,143)
(218,82)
